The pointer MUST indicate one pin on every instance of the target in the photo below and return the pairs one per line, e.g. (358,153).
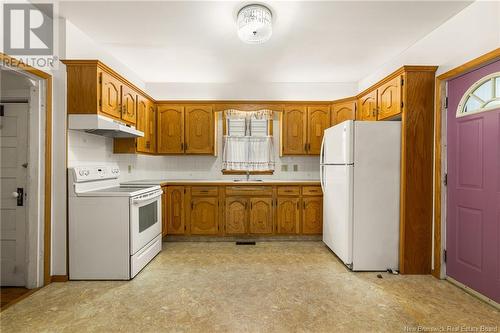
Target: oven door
(145,219)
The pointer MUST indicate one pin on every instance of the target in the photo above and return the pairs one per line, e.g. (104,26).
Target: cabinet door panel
(236,216)
(175,210)
(199,129)
(389,99)
(152,126)
(294,130)
(312,216)
(170,129)
(288,216)
(143,124)
(368,106)
(343,111)
(110,95)
(261,216)
(204,216)
(164,211)
(129,99)
(318,118)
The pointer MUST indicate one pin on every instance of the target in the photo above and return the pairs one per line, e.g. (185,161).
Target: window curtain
(248,152)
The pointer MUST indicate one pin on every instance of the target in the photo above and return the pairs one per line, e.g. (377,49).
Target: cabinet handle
(305,146)
(182,145)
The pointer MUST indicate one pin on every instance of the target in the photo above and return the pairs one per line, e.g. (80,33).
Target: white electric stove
(114,231)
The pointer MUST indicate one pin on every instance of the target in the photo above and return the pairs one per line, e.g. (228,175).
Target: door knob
(15,194)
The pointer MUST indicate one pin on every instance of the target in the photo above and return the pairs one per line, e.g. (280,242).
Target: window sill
(243,172)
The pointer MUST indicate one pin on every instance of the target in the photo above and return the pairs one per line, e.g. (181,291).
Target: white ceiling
(320,41)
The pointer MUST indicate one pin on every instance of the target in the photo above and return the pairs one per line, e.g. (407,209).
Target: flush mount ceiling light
(255,24)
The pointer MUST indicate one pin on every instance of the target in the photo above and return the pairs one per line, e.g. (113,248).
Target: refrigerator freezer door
(337,210)
(338,144)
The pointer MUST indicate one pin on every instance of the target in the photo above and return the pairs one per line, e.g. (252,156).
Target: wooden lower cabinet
(261,216)
(236,216)
(312,215)
(260,211)
(288,216)
(174,211)
(203,217)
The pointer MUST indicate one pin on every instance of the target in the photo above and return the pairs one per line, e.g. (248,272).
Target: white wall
(468,35)
(251,91)
(84,148)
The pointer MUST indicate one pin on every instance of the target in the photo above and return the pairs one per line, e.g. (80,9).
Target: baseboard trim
(473,292)
(59,278)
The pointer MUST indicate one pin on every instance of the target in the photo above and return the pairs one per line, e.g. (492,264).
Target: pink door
(473,197)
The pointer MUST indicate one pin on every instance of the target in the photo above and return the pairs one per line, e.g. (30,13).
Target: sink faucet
(248,175)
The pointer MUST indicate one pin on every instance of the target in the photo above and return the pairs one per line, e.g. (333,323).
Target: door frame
(45,86)
(440,162)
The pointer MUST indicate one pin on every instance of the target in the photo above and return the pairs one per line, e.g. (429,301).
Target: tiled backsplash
(84,148)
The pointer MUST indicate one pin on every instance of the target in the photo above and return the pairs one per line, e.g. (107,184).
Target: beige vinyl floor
(270,287)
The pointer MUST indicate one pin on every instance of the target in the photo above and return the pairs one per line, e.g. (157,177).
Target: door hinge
(445,256)
(445,179)
(2,112)
(402,104)
(446,103)
(100,78)
(402,81)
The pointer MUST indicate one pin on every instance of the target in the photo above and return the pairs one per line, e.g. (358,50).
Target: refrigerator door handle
(322,153)
(321,177)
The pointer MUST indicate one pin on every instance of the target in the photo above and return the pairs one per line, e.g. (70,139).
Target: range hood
(101,125)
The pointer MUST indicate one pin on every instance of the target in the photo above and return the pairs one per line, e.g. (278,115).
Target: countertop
(219,182)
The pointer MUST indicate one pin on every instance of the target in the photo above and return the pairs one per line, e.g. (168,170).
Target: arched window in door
(484,95)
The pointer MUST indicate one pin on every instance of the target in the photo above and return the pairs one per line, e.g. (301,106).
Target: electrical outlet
(295,167)
(129,168)
(284,167)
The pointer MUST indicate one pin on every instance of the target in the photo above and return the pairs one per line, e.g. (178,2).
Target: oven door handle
(153,195)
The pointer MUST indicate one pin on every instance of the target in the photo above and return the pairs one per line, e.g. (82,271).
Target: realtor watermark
(451,328)
(28,34)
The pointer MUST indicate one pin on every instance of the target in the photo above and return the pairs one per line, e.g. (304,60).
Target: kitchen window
(248,142)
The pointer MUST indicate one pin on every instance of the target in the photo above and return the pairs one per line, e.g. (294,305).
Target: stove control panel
(90,173)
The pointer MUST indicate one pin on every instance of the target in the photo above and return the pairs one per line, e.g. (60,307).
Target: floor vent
(245,243)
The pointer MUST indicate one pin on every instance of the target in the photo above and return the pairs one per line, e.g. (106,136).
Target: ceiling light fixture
(255,24)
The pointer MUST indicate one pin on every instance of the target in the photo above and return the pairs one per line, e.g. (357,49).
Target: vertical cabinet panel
(129,100)
(152,126)
(175,210)
(294,130)
(288,216)
(389,99)
(170,129)
(143,124)
(236,216)
(261,216)
(110,95)
(343,111)
(164,211)
(199,129)
(318,118)
(204,216)
(312,215)
(367,109)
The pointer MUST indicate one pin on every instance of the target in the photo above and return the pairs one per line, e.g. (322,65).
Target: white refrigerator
(360,176)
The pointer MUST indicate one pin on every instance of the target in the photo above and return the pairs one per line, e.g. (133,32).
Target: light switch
(295,167)
(129,168)
(284,167)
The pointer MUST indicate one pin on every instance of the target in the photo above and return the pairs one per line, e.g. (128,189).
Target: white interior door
(13,175)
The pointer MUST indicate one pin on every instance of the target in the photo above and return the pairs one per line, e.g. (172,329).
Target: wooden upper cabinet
(236,216)
(389,99)
(288,216)
(170,129)
(129,104)
(142,124)
(261,216)
(199,130)
(318,118)
(312,215)
(294,130)
(343,111)
(110,95)
(204,216)
(151,127)
(175,210)
(367,109)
